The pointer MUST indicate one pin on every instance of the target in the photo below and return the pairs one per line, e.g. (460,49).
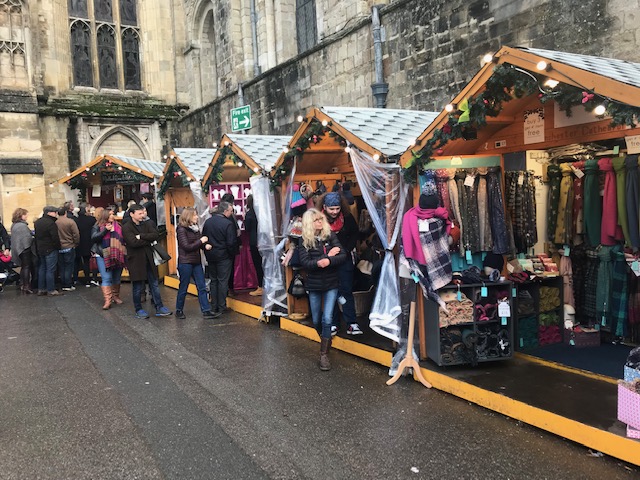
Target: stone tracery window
(105,46)
(306,28)
(11,31)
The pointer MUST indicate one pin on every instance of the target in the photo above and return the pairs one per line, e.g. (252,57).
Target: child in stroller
(8,275)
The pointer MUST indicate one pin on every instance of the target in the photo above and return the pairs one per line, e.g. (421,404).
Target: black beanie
(493,260)
(428,201)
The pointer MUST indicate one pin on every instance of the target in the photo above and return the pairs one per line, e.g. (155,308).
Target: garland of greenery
(312,135)
(173,171)
(505,84)
(217,168)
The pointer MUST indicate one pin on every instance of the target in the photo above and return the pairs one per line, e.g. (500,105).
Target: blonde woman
(190,242)
(320,256)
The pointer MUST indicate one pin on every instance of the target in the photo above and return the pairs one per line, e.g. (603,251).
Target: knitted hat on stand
(348,195)
(296,197)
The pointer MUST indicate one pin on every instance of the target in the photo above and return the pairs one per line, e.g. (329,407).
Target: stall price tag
(459,297)
(567,250)
(467,255)
(596,327)
(635,266)
(520,179)
(415,278)
(504,309)
(577,172)
(616,150)
(513,292)
(469,181)
(572,342)
(483,292)
(604,321)
(521,342)
(503,321)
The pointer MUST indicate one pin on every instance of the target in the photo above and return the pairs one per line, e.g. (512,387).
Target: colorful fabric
(442,184)
(592,203)
(469,210)
(499,228)
(579,268)
(114,252)
(455,204)
(603,290)
(565,206)
(632,197)
(577,226)
(566,271)
(610,230)
(619,292)
(412,240)
(621,193)
(486,241)
(554,176)
(591,287)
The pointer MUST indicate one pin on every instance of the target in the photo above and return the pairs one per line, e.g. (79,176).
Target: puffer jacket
(189,245)
(322,279)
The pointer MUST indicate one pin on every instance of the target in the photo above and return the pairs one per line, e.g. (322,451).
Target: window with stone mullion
(78,9)
(306,28)
(103,10)
(81,54)
(131,59)
(107,64)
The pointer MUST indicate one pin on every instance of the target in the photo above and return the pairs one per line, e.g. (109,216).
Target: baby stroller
(7,274)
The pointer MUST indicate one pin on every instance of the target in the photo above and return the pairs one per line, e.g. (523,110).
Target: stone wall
(431,50)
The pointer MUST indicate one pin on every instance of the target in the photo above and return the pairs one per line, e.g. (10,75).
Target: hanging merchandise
(384,192)
(554,175)
(632,197)
(566,271)
(610,231)
(577,225)
(603,291)
(592,204)
(499,231)
(442,183)
(468,188)
(521,205)
(579,268)
(621,191)
(486,240)
(591,287)
(455,204)
(565,206)
(619,292)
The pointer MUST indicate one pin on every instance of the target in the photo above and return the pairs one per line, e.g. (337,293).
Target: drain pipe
(379,88)
(254,38)
(241,102)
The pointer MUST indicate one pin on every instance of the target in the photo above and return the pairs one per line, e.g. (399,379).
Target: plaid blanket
(113,250)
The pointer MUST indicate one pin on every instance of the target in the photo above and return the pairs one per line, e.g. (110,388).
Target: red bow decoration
(587,96)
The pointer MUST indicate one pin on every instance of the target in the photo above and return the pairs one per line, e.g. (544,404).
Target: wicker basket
(363,301)
(582,339)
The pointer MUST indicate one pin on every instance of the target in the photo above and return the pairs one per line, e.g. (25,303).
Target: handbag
(93,264)
(160,254)
(296,287)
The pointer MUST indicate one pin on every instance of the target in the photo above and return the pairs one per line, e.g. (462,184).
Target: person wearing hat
(47,245)
(150,206)
(345,227)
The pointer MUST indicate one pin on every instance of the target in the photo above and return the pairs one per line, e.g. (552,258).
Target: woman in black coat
(320,255)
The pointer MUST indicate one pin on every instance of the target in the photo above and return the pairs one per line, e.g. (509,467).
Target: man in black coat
(150,206)
(221,232)
(140,236)
(47,243)
(83,250)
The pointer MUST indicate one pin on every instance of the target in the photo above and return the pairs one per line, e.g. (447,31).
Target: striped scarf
(113,249)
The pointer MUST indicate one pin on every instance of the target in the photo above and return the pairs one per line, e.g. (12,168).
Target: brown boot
(106,293)
(115,294)
(325,346)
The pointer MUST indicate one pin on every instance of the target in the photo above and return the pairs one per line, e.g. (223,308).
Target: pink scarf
(410,233)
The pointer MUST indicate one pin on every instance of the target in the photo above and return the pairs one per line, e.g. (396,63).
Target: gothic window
(104,12)
(306,28)
(105,53)
(78,9)
(131,58)
(81,54)
(11,31)
(107,57)
(128,14)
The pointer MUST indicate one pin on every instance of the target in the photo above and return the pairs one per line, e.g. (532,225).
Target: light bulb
(239,164)
(600,110)
(165,157)
(347,149)
(51,185)
(139,171)
(551,83)
(285,150)
(120,167)
(487,58)
(376,157)
(449,107)
(256,169)
(413,143)
(300,118)
(226,143)
(215,145)
(541,65)
(324,123)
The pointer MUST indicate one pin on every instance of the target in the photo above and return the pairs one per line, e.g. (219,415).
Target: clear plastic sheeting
(200,203)
(384,192)
(274,292)
(160,208)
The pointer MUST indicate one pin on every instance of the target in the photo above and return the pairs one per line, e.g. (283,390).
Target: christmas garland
(505,84)
(218,167)
(312,135)
(173,171)
(81,182)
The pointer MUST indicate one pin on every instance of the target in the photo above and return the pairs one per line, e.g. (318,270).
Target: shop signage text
(125,177)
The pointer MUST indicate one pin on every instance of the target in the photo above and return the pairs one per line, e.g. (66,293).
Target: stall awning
(140,170)
(325,132)
(245,155)
(187,164)
(524,73)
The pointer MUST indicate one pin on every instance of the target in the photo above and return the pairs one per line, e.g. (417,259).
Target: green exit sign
(240,118)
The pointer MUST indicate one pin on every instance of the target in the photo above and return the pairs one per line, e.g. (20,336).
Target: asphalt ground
(89,394)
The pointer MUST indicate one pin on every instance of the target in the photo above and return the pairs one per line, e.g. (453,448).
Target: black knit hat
(493,260)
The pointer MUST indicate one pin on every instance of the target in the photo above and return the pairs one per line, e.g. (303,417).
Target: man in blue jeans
(47,245)
(140,236)
(69,239)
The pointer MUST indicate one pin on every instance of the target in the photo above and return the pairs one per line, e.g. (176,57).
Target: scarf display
(632,197)
(579,268)
(619,292)
(554,175)
(521,205)
(591,287)
(563,232)
(577,226)
(486,240)
(603,290)
(610,231)
(592,203)
(442,184)
(619,168)
(113,250)
(455,203)
(499,229)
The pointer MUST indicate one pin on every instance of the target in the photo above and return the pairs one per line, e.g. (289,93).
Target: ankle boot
(106,293)
(325,345)
(115,294)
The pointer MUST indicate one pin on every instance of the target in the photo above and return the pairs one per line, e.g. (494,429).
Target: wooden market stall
(184,167)
(527,109)
(321,152)
(238,158)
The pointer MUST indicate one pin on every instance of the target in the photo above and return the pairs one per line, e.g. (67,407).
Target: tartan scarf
(411,237)
(113,249)
(619,292)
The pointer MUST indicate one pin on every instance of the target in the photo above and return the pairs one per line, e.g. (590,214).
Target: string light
(551,83)
(256,169)
(285,150)
(215,145)
(601,109)
(226,143)
(488,58)
(449,107)
(300,118)
(324,123)
(239,164)
(542,65)
(347,149)
(376,157)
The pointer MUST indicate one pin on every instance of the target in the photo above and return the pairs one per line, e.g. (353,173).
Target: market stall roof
(257,153)
(383,133)
(607,79)
(189,164)
(146,168)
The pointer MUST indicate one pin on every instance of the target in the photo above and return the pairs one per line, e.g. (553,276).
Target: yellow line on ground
(565,368)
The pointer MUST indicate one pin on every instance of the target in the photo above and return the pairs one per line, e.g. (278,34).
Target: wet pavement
(102,395)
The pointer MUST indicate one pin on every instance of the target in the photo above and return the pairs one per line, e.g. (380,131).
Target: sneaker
(68,289)
(142,314)
(54,293)
(354,329)
(210,314)
(334,330)
(94,282)
(42,293)
(88,285)
(163,312)
(180,314)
